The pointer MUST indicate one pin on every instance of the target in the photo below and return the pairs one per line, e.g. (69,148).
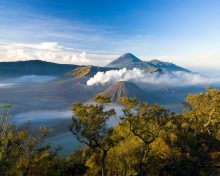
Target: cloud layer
(167,79)
(52,52)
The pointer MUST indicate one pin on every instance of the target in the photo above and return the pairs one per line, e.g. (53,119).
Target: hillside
(86,71)
(124,89)
(34,67)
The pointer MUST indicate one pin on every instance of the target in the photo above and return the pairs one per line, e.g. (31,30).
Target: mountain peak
(130,56)
(123,84)
(123,60)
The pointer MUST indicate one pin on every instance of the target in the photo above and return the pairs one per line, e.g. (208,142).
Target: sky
(95,32)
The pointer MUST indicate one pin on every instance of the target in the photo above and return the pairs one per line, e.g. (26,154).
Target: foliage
(89,125)
(146,122)
(22,153)
(76,163)
(149,140)
(196,136)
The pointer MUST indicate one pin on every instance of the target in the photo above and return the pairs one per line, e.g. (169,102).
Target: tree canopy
(149,140)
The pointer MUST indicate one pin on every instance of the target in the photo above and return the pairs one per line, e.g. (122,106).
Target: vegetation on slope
(88,71)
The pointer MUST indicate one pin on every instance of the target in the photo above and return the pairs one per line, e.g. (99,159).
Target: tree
(22,149)
(89,125)
(148,141)
(203,123)
(204,110)
(145,122)
(196,138)
(75,164)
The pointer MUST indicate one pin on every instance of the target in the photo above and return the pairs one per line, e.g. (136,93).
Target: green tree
(89,125)
(75,164)
(147,122)
(22,150)
(196,138)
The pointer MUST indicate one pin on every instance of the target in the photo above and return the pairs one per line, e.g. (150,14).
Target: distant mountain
(124,60)
(166,66)
(124,89)
(34,67)
(130,61)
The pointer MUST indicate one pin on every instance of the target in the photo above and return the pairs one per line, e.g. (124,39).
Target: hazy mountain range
(38,67)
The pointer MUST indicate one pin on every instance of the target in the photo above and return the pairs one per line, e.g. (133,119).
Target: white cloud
(52,51)
(167,79)
(41,46)
(49,51)
(81,57)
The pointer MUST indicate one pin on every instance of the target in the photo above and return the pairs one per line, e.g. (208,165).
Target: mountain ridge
(34,67)
(39,67)
(130,61)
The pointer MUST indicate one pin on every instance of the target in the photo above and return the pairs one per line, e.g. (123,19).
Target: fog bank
(25,79)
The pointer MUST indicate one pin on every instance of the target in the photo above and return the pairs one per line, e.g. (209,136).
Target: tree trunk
(141,171)
(104,170)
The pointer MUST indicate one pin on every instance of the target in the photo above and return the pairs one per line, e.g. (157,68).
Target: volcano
(124,89)
(130,61)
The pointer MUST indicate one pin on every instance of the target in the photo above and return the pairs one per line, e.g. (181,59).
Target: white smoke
(169,79)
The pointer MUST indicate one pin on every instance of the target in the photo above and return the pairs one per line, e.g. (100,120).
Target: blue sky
(186,32)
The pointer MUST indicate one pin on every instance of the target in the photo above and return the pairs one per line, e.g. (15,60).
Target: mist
(32,78)
(165,79)
(50,115)
(25,79)
(58,121)
(5,85)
